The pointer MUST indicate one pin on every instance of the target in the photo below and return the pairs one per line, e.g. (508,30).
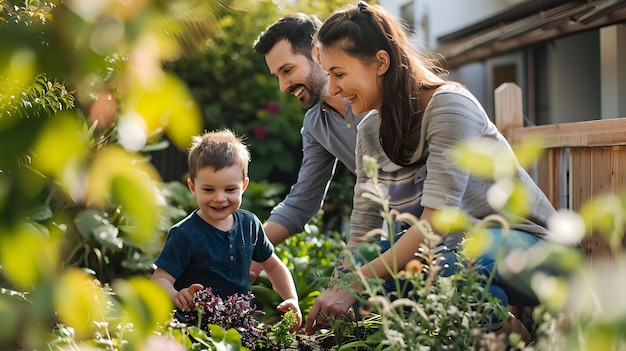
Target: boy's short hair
(298,28)
(217,149)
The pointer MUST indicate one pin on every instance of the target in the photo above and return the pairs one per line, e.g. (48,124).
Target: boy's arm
(276,233)
(183,299)
(282,281)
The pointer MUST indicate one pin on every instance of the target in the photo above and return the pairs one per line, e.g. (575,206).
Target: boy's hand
(184,298)
(292,304)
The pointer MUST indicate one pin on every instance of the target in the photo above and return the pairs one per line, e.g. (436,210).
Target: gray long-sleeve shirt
(453,115)
(326,138)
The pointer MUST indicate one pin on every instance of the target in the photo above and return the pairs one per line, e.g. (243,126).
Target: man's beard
(315,84)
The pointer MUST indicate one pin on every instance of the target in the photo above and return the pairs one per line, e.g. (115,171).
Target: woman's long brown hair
(361,31)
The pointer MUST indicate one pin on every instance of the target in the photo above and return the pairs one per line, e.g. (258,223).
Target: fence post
(508,108)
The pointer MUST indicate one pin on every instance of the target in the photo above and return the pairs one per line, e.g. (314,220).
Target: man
(328,131)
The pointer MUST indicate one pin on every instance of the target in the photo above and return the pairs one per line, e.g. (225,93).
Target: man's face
(297,74)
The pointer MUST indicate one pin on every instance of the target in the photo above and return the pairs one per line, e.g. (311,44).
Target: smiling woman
(421,120)
(358,84)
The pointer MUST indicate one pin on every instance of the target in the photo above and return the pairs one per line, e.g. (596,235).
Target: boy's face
(297,74)
(218,193)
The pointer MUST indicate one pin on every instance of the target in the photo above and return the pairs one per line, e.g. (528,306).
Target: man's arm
(316,170)
(276,232)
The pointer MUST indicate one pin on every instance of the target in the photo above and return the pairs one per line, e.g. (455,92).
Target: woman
(421,118)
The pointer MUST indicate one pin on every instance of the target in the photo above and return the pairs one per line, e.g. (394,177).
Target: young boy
(215,244)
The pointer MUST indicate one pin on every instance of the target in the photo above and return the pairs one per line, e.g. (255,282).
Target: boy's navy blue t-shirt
(197,252)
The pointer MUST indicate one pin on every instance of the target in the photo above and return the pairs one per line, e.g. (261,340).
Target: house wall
(433,19)
(574,78)
(439,17)
(613,70)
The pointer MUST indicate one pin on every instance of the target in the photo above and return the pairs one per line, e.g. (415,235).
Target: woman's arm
(335,302)
(401,252)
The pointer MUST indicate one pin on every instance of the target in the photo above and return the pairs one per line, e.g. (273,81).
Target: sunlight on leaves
(165,104)
(599,336)
(146,303)
(451,219)
(89,11)
(477,241)
(371,167)
(88,219)
(60,148)
(119,175)
(529,151)
(484,158)
(519,201)
(26,256)
(552,291)
(606,214)
(80,301)
(139,202)
(20,70)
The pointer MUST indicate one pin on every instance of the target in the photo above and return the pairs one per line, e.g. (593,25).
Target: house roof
(527,23)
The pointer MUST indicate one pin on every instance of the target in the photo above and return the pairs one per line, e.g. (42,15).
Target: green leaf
(9,318)
(40,213)
(87,220)
(26,256)
(146,303)
(233,339)
(107,235)
(79,301)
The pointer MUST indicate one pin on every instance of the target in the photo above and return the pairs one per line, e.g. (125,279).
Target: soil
(309,343)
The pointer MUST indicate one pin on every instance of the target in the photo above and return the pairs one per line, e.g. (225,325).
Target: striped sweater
(452,115)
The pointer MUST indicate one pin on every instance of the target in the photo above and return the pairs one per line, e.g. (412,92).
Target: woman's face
(355,81)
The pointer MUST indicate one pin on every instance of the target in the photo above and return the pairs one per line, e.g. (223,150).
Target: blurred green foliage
(84,101)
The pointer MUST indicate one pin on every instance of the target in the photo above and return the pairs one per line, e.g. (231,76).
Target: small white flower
(500,192)
(566,227)
(132,132)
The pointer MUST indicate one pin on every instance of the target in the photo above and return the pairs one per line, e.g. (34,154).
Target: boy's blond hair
(217,149)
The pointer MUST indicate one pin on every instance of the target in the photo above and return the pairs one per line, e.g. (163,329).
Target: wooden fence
(582,160)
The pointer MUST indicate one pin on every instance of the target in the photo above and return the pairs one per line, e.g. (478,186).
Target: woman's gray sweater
(453,115)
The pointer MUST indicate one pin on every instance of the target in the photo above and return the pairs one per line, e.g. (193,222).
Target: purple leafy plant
(236,312)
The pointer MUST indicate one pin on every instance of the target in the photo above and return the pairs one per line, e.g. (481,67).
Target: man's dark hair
(298,28)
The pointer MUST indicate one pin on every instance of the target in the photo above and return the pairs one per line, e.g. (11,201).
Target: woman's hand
(333,302)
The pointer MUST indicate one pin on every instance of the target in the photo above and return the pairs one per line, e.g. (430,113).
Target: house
(568,57)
